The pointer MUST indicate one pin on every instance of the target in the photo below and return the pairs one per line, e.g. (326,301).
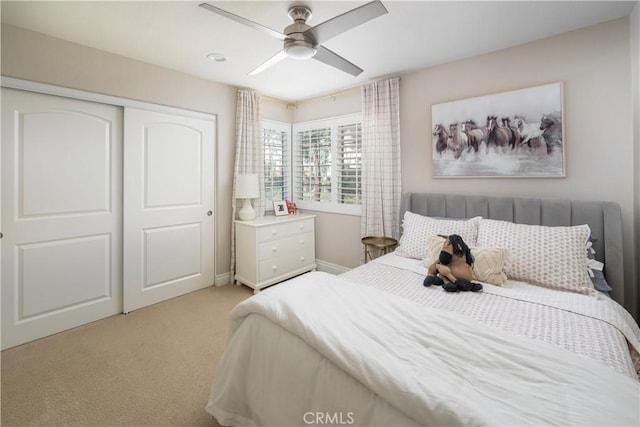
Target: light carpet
(151,367)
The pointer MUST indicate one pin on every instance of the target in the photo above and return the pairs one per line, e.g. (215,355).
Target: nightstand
(385,244)
(272,249)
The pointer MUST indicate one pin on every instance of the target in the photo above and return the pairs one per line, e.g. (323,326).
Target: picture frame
(513,134)
(280,208)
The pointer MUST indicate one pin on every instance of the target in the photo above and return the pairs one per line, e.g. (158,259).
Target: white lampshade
(247,188)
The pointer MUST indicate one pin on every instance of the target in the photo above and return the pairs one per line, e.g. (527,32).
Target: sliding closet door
(168,206)
(61,214)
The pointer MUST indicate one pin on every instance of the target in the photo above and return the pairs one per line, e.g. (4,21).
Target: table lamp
(247,188)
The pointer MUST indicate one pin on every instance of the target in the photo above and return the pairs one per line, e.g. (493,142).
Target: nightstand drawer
(274,248)
(271,268)
(285,247)
(301,227)
(273,231)
(294,259)
(303,256)
(278,231)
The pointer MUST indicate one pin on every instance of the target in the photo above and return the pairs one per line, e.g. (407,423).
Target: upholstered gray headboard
(604,219)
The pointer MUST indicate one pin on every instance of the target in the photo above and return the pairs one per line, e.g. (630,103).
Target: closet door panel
(173,166)
(168,206)
(61,214)
(66,171)
(183,244)
(88,282)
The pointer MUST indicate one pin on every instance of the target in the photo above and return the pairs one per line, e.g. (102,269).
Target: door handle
(209,213)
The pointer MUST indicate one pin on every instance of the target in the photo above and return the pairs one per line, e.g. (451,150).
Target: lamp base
(247,213)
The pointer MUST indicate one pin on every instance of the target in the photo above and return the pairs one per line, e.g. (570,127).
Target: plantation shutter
(276,165)
(313,165)
(349,163)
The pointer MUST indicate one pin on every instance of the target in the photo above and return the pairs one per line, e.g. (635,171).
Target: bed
(540,345)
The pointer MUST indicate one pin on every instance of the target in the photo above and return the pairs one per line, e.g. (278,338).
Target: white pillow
(417,229)
(489,264)
(547,256)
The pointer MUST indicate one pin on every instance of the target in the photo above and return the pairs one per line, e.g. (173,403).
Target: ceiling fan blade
(266,30)
(270,62)
(348,20)
(331,58)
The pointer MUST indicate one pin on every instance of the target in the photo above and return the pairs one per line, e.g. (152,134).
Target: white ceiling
(413,35)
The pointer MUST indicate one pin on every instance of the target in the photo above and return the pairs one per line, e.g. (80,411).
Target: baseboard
(328,267)
(222,279)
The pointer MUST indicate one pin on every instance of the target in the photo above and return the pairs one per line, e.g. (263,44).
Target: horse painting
(516,133)
(497,135)
(443,137)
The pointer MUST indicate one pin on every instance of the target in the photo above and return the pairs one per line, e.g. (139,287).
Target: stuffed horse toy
(453,269)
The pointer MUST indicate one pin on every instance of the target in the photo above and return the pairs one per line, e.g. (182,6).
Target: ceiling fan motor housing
(299,45)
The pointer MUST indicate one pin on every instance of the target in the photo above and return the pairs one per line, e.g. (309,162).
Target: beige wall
(276,110)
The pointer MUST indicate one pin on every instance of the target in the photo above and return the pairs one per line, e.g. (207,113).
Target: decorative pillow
(489,263)
(553,257)
(417,229)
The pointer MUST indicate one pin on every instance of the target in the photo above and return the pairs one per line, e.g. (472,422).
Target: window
(276,138)
(328,164)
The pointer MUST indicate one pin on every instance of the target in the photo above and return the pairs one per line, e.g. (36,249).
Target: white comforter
(417,365)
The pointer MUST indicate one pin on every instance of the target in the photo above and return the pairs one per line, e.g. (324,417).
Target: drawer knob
(274,232)
(302,241)
(301,258)
(275,267)
(301,226)
(274,249)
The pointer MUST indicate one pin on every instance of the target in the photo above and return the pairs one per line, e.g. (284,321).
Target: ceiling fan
(302,41)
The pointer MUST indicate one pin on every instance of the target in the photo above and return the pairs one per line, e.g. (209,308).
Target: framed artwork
(280,208)
(515,134)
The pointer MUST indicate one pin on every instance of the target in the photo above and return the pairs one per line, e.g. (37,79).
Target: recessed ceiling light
(217,57)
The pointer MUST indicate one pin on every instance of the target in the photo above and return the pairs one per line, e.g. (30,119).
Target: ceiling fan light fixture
(299,49)
(300,52)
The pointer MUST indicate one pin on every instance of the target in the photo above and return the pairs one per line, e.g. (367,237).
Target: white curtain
(249,156)
(381,179)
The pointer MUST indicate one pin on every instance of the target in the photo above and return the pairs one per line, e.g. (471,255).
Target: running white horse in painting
(527,130)
(458,140)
